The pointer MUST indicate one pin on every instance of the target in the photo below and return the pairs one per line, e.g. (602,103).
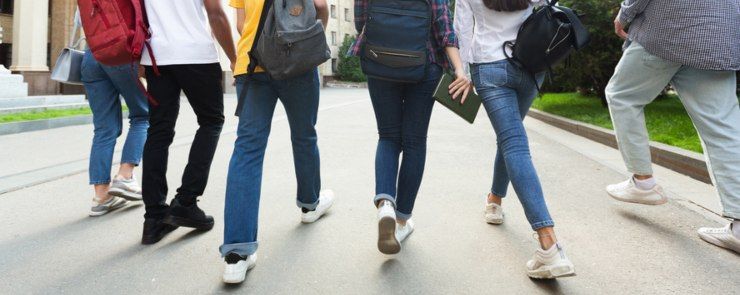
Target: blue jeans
(104,86)
(402,112)
(300,98)
(507,93)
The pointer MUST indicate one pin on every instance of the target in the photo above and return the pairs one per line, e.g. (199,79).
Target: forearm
(322,11)
(453,54)
(222,32)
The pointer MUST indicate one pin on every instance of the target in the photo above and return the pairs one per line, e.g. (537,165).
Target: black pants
(202,84)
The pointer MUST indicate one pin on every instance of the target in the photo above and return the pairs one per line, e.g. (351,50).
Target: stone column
(11,85)
(30,35)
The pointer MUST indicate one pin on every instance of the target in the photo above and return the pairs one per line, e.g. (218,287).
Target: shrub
(589,70)
(348,68)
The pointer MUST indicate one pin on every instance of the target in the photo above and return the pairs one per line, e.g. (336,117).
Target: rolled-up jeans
(507,93)
(105,85)
(709,98)
(300,98)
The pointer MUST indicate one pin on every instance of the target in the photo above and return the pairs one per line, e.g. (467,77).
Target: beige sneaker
(721,237)
(550,264)
(494,213)
(627,191)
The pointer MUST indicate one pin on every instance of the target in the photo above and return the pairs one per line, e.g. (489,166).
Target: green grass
(667,120)
(45,115)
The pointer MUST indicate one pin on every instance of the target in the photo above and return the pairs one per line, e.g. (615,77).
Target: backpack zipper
(375,54)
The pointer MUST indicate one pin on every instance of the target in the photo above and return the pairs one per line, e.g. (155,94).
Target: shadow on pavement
(548,286)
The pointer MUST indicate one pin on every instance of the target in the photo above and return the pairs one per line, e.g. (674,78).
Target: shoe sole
(237,279)
(714,241)
(184,222)
(495,221)
(113,208)
(154,240)
(387,242)
(562,271)
(662,200)
(117,192)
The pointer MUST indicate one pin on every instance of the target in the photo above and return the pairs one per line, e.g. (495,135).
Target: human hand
(619,29)
(461,87)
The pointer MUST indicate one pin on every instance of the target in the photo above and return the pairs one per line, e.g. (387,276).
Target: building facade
(35,31)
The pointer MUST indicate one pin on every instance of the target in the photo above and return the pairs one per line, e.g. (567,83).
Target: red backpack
(116,31)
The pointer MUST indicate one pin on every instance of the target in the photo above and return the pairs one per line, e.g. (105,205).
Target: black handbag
(546,38)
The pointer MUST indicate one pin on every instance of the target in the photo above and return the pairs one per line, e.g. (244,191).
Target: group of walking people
(693,45)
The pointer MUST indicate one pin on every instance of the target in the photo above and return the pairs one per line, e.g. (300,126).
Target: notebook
(468,111)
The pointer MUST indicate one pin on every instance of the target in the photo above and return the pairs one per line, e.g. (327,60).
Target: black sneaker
(188,216)
(154,230)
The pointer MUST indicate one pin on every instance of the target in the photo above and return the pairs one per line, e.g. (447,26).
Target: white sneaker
(387,241)
(627,192)
(494,213)
(550,264)
(99,209)
(326,199)
(721,237)
(403,232)
(128,189)
(237,267)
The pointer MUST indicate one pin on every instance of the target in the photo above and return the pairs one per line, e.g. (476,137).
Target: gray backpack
(292,40)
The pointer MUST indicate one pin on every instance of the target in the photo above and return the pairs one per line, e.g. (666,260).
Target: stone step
(32,103)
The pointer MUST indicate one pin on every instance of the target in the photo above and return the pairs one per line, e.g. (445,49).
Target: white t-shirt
(180,33)
(482,31)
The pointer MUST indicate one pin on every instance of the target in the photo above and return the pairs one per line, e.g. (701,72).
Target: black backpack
(546,38)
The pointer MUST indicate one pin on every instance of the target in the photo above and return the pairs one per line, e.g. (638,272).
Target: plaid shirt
(700,34)
(444,33)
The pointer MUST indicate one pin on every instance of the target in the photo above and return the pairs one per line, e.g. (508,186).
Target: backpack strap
(253,62)
(580,33)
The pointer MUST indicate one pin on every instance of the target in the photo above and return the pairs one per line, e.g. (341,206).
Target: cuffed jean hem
(132,162)
(309,207)
(500,195)
(96,182)
(384,197)
(243,249)
(542,224)
(733,215)
(402,216)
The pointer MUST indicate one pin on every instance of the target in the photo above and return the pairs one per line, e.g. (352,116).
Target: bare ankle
(494,199)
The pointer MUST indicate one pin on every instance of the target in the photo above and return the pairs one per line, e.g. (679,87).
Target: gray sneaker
(113,203)
(128,189)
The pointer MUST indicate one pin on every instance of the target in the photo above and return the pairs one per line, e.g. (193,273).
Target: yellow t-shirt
(252,13)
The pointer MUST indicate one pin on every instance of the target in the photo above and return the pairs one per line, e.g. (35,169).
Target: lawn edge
(683,161)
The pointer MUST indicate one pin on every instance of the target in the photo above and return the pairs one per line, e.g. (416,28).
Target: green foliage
(348,68)
(667,120)
(50,114)
(590,69)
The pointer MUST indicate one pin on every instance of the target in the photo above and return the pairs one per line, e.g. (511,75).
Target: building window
(334,65)
(6,54)
(346,15)
(6,6)
(333,11)
(333,38)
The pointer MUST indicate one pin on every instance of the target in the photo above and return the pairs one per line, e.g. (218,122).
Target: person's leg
(125,79)
(202,84)
(162,118)
(500,177)
(387,100)
(103,98)
(244,181)
(711,101)
(300,97)
(498,85)
(638,79)
(417,111)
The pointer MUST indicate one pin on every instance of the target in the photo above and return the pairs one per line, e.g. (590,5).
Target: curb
(37,125)
(688,163)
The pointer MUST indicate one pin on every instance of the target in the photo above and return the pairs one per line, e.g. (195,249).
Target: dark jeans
(402,111)
(202,84)
(300,98)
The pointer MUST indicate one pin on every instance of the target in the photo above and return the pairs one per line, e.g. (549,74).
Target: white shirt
(482,31)
(180,33)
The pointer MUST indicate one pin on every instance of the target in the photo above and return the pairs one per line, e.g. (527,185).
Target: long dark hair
(507,5)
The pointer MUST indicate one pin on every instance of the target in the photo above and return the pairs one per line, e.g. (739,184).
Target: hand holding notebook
(467,110)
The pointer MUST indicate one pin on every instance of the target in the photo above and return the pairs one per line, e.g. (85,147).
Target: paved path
(49,245)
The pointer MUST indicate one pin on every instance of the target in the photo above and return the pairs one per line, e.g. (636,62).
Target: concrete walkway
(48,245)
